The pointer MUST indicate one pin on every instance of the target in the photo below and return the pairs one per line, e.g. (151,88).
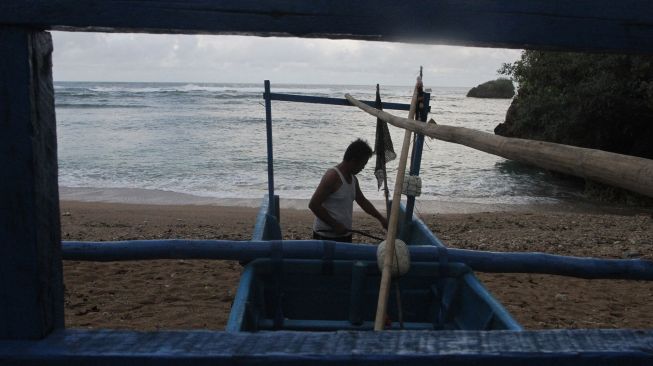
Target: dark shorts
(344,239)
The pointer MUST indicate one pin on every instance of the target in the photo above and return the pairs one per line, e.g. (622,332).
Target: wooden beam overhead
(581,25)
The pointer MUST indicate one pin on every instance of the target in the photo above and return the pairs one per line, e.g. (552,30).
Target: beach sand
(197,294)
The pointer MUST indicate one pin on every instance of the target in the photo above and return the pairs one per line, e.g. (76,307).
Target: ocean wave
(97,106)
(174,89)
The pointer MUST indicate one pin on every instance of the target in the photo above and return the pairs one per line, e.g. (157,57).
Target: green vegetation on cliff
(590,100)
(597,101)
(500,88)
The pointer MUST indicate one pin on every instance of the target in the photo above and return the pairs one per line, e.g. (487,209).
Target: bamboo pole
(624,171)
(392,225)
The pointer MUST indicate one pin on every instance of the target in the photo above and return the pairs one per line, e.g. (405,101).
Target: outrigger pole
(624,171)
(493,262)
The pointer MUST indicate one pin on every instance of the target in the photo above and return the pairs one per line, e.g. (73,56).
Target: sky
(241,59)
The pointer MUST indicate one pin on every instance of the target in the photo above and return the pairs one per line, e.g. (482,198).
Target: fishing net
(382,146)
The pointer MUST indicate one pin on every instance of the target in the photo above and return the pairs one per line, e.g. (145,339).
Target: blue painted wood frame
(309,307)
(267,225)
(461,348)
(596,25)
(237,314)
(31,288)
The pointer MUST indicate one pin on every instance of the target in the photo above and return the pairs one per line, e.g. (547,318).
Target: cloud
(203,58)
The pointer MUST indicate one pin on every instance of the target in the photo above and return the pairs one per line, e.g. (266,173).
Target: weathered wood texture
(593,25)
(393,224)
(31,292)
(629,172)
(549,347)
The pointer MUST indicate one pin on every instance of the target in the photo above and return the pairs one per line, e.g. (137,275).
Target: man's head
(357,154)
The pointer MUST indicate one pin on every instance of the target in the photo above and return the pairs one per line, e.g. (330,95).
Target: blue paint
(303,296)
(315,249)
(239,307)
(587,347)
(334,101)
(498,309)
(415,164)
(268,132)
(31,284)
(259,226)
(267,225)
(591,25)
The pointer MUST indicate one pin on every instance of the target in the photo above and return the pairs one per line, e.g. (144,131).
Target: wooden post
(31,290)
(392,225)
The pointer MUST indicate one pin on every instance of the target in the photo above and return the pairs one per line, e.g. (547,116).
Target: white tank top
(340,205)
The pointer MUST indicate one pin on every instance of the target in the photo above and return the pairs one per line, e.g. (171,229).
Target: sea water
(208,141)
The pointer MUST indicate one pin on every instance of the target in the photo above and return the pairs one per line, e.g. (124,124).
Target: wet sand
(197,294)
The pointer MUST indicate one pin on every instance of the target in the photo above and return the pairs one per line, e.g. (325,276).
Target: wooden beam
(31,292)
(590,25)
(558,347)
(624,171)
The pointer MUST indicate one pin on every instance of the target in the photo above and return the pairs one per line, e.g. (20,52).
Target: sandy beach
(184,294)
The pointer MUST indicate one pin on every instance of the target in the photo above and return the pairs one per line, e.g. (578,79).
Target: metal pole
(268,128)
(415,165)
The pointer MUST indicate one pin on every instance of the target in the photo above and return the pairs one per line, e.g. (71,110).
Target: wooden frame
(31,294)
(589,25)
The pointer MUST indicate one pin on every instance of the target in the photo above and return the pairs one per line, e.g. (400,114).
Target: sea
(206,143)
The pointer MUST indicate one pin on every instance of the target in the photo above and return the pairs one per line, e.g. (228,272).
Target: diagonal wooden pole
(394,217)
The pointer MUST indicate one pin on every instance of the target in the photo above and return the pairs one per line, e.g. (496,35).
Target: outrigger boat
(32,319)
(328,295)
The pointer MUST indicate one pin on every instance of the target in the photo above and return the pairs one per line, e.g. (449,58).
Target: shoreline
(137,196)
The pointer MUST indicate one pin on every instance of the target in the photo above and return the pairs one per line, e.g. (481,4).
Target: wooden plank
(592,25)
(31,298)
(624,171)
(549,347)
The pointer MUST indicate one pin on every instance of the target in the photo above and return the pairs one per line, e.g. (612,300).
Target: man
(333,200)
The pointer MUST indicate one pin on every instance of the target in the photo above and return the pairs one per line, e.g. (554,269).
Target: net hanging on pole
(382,146)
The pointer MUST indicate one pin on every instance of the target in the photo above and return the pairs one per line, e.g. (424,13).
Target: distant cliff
(500,88)
(596,101)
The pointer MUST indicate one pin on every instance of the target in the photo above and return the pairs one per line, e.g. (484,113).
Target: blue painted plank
(267,226)
(259,226)
(497,308)
(316,249)
(558,347)
(333,101)
(594,25)
(31,290)
(237,314)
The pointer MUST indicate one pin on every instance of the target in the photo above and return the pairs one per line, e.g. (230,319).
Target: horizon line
(251,83)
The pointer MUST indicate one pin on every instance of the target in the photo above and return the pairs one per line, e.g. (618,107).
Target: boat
(32,322)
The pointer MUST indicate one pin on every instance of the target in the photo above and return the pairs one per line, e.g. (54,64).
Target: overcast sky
(202,58)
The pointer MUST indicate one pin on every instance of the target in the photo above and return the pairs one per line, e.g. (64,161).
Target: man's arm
(368,207)
(328,185)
